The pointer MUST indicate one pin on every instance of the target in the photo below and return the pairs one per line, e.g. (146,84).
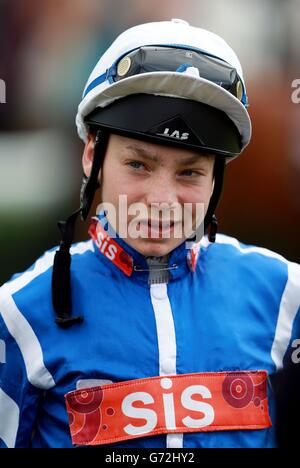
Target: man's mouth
(158,229)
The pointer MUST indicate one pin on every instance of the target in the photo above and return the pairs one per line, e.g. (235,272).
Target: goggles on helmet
(150,59)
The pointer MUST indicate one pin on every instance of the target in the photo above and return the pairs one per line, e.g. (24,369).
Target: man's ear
(88,155)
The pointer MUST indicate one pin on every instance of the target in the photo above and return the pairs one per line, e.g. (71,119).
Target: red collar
(110,248)
(119,257)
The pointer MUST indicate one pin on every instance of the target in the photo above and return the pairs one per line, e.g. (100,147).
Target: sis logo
(166,405)
(110,248)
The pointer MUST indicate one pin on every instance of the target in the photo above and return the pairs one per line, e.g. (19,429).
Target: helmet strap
(61,277)
(211,222)
(91,184)
(213,229)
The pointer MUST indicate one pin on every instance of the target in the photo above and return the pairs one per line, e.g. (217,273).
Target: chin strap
(213,230)
(61,278)
(61,275)
(211,222)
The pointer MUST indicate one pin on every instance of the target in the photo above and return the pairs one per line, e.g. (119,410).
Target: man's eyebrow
(196,158)
(143,152)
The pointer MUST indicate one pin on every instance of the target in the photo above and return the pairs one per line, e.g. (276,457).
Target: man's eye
(136,165)
(189,173)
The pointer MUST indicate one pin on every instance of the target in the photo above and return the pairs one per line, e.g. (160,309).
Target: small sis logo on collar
(110,248)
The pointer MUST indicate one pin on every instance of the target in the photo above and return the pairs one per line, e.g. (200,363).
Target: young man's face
(172,185)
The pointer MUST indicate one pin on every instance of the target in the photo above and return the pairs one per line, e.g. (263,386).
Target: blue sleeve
(18,398)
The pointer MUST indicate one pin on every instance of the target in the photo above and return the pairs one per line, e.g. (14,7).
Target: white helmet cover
(101,91)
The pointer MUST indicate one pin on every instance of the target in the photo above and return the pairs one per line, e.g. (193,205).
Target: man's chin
(154,248)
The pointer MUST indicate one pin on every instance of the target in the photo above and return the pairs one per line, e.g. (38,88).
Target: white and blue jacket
(238,311)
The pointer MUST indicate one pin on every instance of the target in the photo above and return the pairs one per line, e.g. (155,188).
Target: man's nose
(162,189)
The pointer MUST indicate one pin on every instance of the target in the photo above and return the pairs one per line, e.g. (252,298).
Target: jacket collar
(120,255)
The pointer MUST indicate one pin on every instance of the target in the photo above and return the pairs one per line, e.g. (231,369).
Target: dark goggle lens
(155,59)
